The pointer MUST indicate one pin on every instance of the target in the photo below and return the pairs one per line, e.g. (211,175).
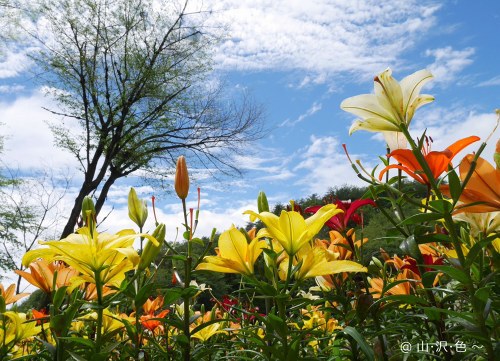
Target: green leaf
(475,250)
(76,357)
(455,187)
(441,205)
(59,297)
(410,247)
(453,272)
(82,341)
(198,241)
(143,294)
(367,350)
(277,323)
(421,218)
(172,295)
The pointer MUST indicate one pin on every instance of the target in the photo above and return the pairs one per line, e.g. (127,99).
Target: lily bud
(137,208)
(262,204)
(88,209)
(181,182)
(150,250)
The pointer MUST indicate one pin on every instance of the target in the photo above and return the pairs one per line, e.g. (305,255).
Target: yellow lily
(15,328)
(290,229)
(392,104)
(234,254)
(205,333)
(98,257)
(316,262)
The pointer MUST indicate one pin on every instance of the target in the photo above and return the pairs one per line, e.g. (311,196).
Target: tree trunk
(75,212)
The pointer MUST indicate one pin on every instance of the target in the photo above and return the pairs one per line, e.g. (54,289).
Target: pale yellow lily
(234,255)
(98,257)
(392,104)
(290,229)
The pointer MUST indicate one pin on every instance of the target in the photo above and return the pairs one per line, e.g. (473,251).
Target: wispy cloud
(323,37)
(14,88)
(495,81)
(325,165)
(315,107)
(29,142)
(14,62)
(448,63)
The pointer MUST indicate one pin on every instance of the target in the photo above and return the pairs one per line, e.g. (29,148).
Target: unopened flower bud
(137,208)
(151,250)
(181,178)
(88,209)
(262,204)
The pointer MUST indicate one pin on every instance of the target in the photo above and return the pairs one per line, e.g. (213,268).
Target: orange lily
(403,288)
(40,316)
(9,294)
(438,161)
(42,275)
(152,321)
(483,186)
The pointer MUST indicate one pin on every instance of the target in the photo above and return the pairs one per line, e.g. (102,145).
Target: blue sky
(300,59)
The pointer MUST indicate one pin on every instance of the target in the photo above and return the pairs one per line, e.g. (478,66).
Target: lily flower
(339,221)
(480,223)
(40,316)
(9,294)
(15,328)
(483,186)
(290,229)
(206,332)
(42,275)
(438,162)
(340,246)
(315,261)
(234,254)
(392,105)
(96,256)
(403,288)
(152,321)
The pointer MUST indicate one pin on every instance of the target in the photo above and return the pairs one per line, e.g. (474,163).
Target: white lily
(392,104)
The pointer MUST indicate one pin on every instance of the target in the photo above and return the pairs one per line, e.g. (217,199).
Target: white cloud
(320,37)
(448,63)
(315,107)
(326,165)
(11,88)
(28,139)
(459,123)
(14,62)
(495,81)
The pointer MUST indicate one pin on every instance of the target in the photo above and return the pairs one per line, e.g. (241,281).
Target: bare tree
(29,210)
(132,77)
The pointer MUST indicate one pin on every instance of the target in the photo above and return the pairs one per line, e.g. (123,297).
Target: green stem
(187,281)
(98,287)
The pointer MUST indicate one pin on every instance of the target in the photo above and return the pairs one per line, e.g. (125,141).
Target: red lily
(339,221)
(429,260)
(438,161)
